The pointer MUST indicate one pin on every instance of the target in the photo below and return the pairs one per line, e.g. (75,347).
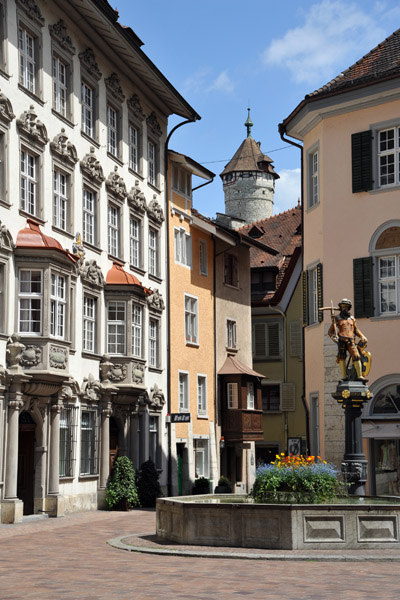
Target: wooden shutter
(273,340)
(305,298)
(288,400)
(320,293)
(361,157)
(295,339)
(363,287)
(259,340)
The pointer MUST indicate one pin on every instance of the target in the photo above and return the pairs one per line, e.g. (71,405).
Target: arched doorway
(114,445)
(26,453)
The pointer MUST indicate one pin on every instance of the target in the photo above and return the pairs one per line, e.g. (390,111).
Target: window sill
(135,173)
(89,477)
(272,412)
(66,478)
(311,325)
(203,417)
(115,159)
(232,287)
(310,208)
(192,344)
(154,187)
(267,359)
(155,369)
(155,278)
(27,215)
(31,94)
(229,349)
(63,119)
(5,75)
(5,203)
(116,259)
(90,139)
(63,232)
(137,270)
(382,317)
(385,188)
(90,355)
(91,247)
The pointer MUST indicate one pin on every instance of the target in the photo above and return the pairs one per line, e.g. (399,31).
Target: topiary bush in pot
(121,491)
(224,486)
(201,486)
(148,486)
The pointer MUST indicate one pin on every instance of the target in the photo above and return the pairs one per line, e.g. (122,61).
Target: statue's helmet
(346,302)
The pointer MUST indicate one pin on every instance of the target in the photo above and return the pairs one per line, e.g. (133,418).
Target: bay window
(116,333)
(30,299)
(57,306)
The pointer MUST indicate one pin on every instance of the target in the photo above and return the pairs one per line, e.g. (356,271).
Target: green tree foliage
(121,491)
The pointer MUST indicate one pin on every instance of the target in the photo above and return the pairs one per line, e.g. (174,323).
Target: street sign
(180,417)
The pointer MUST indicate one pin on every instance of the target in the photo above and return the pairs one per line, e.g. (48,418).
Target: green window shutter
(259,339)
(363,287)
(305,298)
(320,293)
(273,340)
(361,160)
(295,337)
(288,396)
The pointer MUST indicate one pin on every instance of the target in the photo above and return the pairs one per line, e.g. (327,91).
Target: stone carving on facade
(111,372)
(6,109)
(135,107)
(155,301)
(79,251)
(6,241)
(91,167)
(59,32)
(91,388)
(58,357)
(88,60)
(3,375)
(137,372)
(32,11)
(154,125)
(36,406)
(155,211)
(14,351)
(137,199)
(30,125)
(115,185)
(31,357)
(114,87)
(92,273)
(143,400)
(157,398)
(63,148)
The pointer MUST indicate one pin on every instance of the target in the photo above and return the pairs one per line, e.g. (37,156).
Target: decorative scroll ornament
(29,124)
(155,301)
(135,107)
(114,87)
(157,398)
(6,109)
(110,372)
(60,34)
(63,148)
(155,211)
(137,372)
(154,125)
(58,357)
(92,273)
(137,199)
(91,167)
(6,241)
(30,357)
(32,10)
(14,350)
(88,60)
(79,251)
(91,388)
(116,185)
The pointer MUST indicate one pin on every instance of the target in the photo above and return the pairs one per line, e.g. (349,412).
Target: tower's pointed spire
(249,124)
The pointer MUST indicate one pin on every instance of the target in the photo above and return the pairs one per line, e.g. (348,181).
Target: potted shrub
(224,486)
(148,486)
(201,486)
(121,492)
(297,479)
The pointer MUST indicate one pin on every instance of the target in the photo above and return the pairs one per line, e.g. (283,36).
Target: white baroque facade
(83,123)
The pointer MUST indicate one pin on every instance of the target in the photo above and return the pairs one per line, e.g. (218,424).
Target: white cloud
(287,190)
(199,82)
(223,83)
(333,33)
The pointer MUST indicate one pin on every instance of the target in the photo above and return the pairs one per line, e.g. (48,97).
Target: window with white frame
(113,230)
(60,88)
(181,181)
(112,130)
(389,156)
(183,247)
(183,392)
(29,183)
(135,242)
(154,343)
(68,424)
(153,252)
(313,298)
(3,297)
(267,339)
(57,306)
(88,94)
(30,298)
(201,395)
(203,257)
(89,443)
(152,162)
(137,330)
(133,142)
(231,270)
(27,45)
(313,197)
(89,216)
(250,395)
(116,323)
(231,341)
(191,319)
(60,196)
(89,323)
(389,279)
(232,395)
(201,461)
(3,164)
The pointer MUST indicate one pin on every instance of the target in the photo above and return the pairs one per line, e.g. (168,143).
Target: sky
(224,56)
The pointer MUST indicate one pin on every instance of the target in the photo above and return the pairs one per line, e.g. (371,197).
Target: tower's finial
(249,124)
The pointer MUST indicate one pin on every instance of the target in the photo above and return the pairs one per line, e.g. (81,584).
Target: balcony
(242,425)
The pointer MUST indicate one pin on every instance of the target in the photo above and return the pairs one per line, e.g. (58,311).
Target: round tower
(249,181)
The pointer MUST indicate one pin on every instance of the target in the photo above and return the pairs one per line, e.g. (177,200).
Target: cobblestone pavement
(52,559)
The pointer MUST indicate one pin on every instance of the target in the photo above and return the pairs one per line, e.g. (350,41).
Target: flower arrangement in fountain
(299,479)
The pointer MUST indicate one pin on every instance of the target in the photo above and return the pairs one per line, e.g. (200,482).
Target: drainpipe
(282,132)
(168,312)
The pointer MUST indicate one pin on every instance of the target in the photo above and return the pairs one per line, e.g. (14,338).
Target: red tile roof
(33,237)
(233,366)
(118,276)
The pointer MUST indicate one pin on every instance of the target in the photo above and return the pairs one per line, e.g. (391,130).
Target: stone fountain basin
(223,520)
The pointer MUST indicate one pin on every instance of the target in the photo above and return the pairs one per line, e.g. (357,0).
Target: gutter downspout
(282,132)
(168,312)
